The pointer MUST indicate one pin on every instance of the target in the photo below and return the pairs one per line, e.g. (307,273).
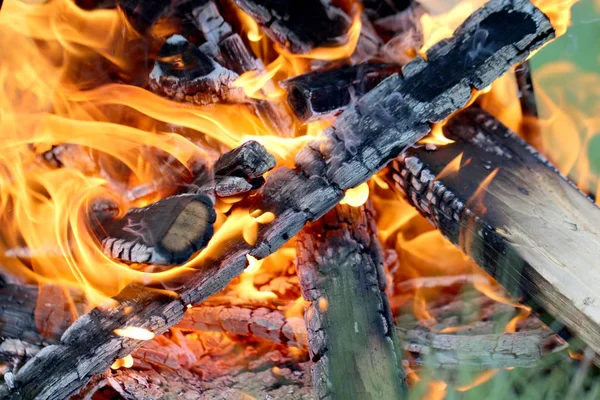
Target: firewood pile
(252,220)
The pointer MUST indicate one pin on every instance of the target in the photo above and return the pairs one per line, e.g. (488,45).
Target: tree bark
(364,139)
(513,213)
(351,336)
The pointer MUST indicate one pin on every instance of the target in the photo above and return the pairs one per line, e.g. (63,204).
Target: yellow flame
(133,332)
(125,362)
(559,12)
(357,196)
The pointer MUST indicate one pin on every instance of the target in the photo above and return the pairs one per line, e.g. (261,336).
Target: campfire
(292,199)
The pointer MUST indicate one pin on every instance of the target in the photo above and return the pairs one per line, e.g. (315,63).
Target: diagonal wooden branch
(383,123)
(512,212)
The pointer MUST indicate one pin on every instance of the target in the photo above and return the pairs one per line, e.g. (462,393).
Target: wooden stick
(349,321)
(364,139)
(515,215)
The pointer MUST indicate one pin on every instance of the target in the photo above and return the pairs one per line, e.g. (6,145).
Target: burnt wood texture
(166,232)
(513,213)
(184,73)
(321,94)
(364,139)
(351,337)
(299,25)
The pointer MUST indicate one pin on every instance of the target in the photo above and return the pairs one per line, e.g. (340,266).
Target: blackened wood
(525,224)
(250,160)
(299,25)
(376,9)
(530,127)
(385,121)
(236,56)
(183,72)
(351,336)
(166,232)
(321,94)
(526,90)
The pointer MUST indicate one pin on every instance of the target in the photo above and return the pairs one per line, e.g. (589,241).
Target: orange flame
(479,380)
(559,12)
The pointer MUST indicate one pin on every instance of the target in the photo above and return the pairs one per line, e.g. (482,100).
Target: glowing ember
(135,333)
(357,196)
(125,362)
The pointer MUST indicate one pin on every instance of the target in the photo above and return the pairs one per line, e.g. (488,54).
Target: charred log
(322,94)
(230,48)
(499,207)
(183,72)
(364,139)
(166,232)
(340,265)
(299,25)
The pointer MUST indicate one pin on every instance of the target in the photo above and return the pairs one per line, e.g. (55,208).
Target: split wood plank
(513,213)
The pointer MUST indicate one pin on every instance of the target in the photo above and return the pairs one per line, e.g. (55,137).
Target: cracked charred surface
(529,227)
(364,139)
(351,336)
(299,25)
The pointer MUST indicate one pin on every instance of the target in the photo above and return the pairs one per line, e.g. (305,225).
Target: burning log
(166,232)
(230,48)
(364,139)
(171,230)
(498,205)
(321,94)
(184,73)
(340,265)
(299,25)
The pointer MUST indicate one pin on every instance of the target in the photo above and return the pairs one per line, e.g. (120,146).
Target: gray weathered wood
(526,224)
(481,352)
(351,336)
(386,121)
